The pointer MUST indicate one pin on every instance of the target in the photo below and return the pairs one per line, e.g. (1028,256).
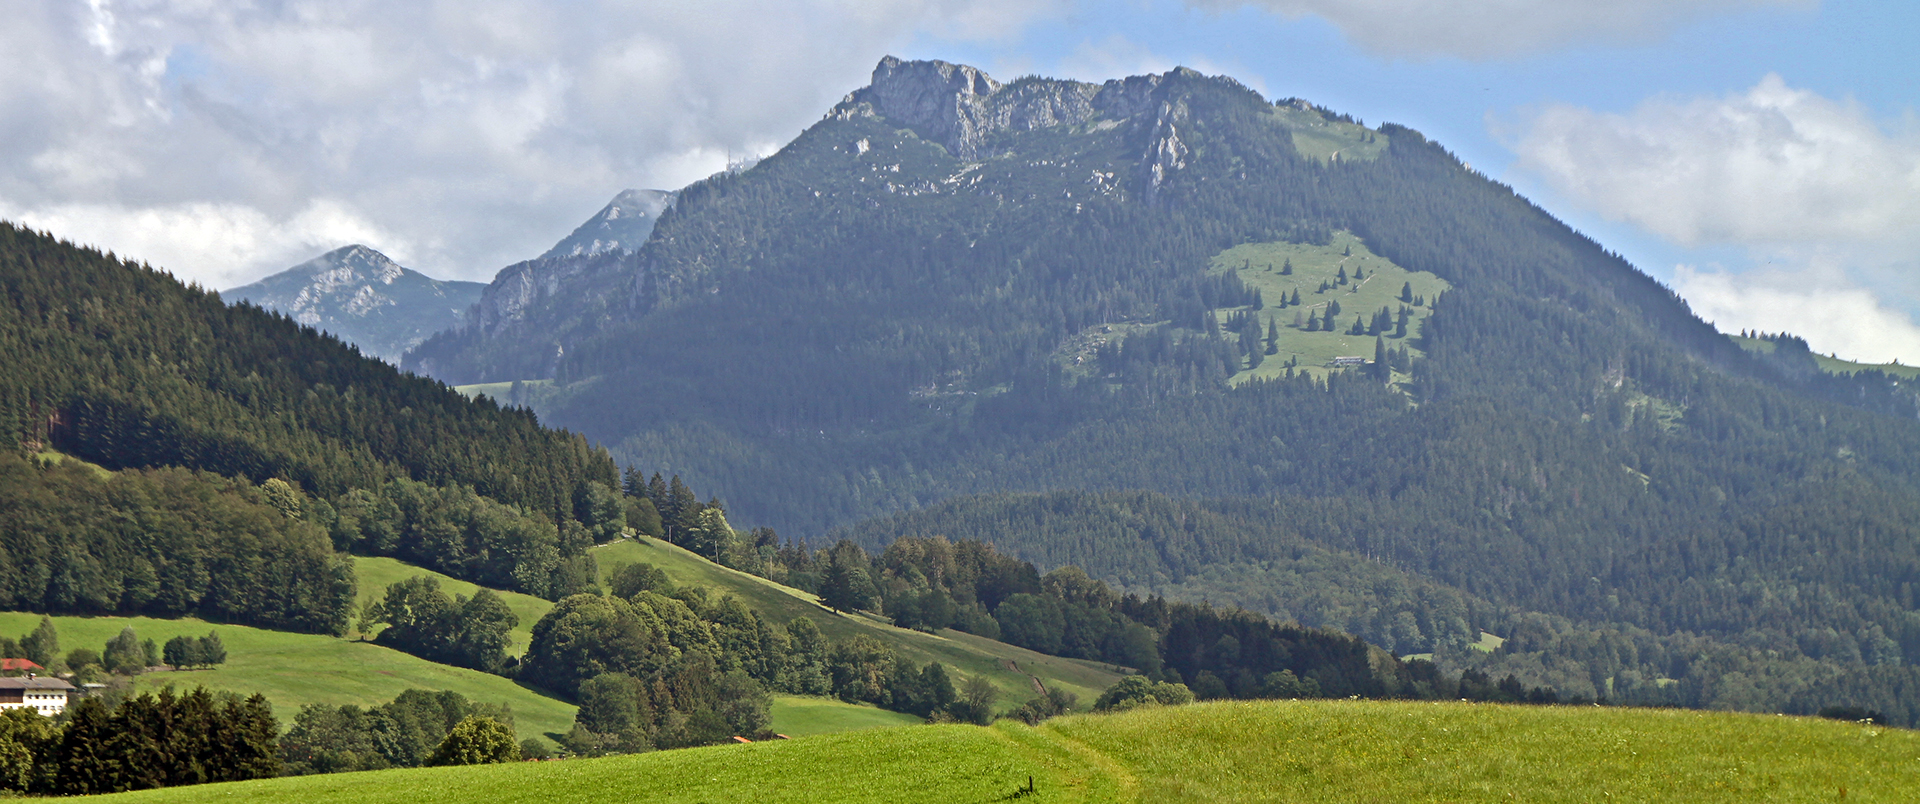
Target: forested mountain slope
(951,285)
(124,366)
(252,451)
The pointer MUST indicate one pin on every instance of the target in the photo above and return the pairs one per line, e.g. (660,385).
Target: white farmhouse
(48,696)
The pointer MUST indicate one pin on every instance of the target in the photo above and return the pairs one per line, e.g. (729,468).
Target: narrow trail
(1128,785)
(1081,772)
(1037,685)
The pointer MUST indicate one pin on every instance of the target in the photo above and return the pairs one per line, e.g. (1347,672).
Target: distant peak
(622,225)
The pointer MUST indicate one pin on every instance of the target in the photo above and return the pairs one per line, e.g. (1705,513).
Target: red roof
(18,664)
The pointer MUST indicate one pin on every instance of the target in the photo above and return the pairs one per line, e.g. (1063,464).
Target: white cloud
(1824,200)
(216,236)
(1483,29)
(1819,304)
(1770,165)
(225,141)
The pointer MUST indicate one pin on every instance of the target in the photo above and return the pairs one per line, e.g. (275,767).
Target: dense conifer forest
(122,365)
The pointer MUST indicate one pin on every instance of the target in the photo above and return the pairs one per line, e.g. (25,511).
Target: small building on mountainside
(1344,362)
(48,696)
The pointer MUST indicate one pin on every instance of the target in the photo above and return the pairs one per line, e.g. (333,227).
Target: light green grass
(376,574)
(294,670)
(1284,751)
(1008,667)
(804,716)
(1319,139)
(499,390)
(1311,265)
(1831,364)
(56,456)
(1488,642)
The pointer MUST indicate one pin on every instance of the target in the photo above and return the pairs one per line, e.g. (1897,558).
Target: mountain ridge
(365,298)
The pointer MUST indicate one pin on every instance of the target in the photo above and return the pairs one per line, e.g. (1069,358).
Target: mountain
(601,247)
(623,225)
(365,298)
(1334,336)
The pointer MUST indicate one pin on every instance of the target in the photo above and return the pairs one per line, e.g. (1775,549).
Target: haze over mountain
(955,286)
(364,298)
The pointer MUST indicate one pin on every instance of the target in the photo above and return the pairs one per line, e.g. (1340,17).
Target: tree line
(144,742)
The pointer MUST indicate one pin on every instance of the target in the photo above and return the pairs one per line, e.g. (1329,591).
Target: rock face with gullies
(364,298)
(960,107)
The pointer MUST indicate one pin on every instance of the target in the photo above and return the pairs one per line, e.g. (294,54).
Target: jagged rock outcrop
(960,107)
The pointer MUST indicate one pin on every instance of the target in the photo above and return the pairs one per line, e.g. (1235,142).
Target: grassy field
(293,670)
(804,716)
(1830,364)
(1320,139)
(1339,751)
(376,574)
(1260,265)
(1010,669)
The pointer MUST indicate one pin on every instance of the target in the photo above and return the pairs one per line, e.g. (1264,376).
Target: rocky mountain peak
(622,225)
(958,106)
(364,297)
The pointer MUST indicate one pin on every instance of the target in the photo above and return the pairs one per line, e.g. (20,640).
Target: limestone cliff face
(960,107)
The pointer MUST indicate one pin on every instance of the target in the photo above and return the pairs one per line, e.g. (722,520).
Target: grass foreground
(1357,751)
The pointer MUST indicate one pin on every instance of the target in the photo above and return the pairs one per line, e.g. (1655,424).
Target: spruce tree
(84,765)
(182,651)
(212,651)
(42,645)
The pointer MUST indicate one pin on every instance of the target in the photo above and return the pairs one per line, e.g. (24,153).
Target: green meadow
(1324,140)
(1260,265)
(1013,670)
(1831,364)
(1333,751)
(294,670)
(805,716)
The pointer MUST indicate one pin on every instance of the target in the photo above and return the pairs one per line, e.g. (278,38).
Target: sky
(1761,157)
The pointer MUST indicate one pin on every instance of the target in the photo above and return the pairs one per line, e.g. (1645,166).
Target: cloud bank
(1811,185)
(1489,29)
(1770,165)
(224,141)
